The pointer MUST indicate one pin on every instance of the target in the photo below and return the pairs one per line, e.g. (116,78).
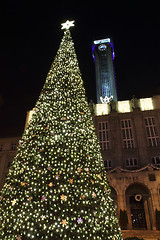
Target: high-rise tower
(103,54)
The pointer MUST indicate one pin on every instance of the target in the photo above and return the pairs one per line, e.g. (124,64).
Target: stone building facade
(129,135)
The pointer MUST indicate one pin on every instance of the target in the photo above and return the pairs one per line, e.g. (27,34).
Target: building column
(152,214)
(129,213)
(155,201)
(147,214)
(121,202)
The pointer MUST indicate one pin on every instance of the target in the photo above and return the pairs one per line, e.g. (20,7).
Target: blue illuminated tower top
(103,54)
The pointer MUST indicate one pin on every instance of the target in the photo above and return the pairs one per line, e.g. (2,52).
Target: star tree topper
(67,24)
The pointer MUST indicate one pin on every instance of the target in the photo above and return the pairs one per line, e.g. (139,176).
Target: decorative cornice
(149,167)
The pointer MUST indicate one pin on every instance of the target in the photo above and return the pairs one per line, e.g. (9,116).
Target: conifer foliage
(57,186)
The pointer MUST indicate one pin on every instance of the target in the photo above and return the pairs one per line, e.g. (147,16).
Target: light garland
(57,185)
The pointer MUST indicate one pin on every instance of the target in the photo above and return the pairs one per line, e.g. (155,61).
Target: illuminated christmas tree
(57,186)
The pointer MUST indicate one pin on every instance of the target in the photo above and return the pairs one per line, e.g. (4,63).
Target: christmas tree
(57,186)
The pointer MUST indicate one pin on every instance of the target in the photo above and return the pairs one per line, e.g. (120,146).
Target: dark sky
(30,37)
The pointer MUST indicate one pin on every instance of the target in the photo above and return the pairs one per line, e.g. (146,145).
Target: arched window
(138,206)
(138,212)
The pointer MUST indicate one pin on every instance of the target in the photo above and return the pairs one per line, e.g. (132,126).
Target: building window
(151,131)
(10,160)
(131,162)
(107,164)
(156,160)
(13,146)
(137,212)
(127,133)
(138,202)
(152,177)
(103,132)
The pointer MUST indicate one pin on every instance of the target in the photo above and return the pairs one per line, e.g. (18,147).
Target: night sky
(30,37)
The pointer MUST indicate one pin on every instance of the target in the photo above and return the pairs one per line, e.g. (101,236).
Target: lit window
(101,109)
(156,160)
(127,133)
(131,162)
(107,164)
(124,106)
(103,133)
(151,131)
(146,104)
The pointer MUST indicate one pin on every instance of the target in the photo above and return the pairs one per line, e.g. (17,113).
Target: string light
(57,184)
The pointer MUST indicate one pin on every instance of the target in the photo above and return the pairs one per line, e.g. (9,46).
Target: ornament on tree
(14,202)
(64,222)
(57,176)
(19,237)
(67,24)
(50,184)
(71,180)
(63,197)
(99,176)
(23,184)
(82,197)
(94,194)
(30,198)
(79,169)
(43,198)
(80,220)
